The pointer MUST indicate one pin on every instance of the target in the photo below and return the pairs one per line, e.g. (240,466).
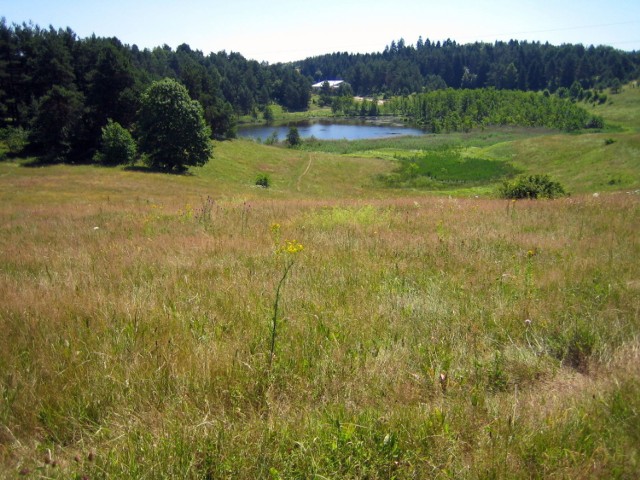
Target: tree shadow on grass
(147,169)
(38,162)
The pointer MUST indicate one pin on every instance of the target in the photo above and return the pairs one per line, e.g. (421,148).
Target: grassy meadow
(419,333)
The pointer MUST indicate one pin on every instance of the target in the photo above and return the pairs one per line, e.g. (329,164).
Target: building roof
(332,83)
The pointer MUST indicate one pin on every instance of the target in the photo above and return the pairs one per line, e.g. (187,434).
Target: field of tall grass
(417,336)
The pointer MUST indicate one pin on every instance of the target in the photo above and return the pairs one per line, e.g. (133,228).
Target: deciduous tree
(117,146)
(173,133)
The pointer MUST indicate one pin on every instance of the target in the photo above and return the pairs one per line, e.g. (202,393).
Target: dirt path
(304,173)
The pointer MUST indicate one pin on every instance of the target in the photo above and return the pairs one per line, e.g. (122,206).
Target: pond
(330,130)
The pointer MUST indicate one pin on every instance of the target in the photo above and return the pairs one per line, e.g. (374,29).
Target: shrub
(532,186)
(16,138)
(117,145)
(595,122)
(272,139)
(293,137)
(268,114)
(263,180)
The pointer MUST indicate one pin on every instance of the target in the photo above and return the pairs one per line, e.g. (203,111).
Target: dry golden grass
(418,336)
(137,328)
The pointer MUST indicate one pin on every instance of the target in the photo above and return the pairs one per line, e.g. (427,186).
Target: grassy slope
(293,173)
(623,109)
(139,348)
(584,163)
(229,176)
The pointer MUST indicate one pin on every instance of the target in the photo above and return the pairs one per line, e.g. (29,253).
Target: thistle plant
(288,253)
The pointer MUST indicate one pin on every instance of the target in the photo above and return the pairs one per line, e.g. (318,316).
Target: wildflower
(443,382)
(527,322)
(292,247)
(531,253)
(188,211)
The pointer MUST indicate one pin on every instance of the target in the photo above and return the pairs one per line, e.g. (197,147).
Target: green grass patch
(443,167)
(448,165)
(332,217)
(621,110)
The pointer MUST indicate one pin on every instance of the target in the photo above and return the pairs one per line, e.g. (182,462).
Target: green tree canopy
(117,146)
(56,122)
(172,129)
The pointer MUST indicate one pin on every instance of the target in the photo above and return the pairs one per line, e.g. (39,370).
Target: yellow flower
(292,247)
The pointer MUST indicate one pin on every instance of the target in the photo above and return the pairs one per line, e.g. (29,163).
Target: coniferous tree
(56,123)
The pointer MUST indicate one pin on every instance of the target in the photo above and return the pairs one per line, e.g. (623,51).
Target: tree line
(450,110)
(63,89)
(402,69)
(462,110)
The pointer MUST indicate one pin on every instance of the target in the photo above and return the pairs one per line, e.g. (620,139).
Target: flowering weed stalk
(288,251)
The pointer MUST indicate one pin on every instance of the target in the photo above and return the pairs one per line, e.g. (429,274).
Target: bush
(117,146)
(268,114)
(293,137)
(263,180)
(532,186)
(272,139)
(595,122)
(16,138)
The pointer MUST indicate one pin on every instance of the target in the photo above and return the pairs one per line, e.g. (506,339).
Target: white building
(332,83)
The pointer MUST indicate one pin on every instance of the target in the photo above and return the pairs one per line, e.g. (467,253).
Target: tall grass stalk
(274,318)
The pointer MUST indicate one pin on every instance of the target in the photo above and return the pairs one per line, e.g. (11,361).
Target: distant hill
(403,69)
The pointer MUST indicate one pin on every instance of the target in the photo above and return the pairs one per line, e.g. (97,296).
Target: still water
(329,130)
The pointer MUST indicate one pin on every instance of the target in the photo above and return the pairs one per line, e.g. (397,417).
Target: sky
(288,30)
